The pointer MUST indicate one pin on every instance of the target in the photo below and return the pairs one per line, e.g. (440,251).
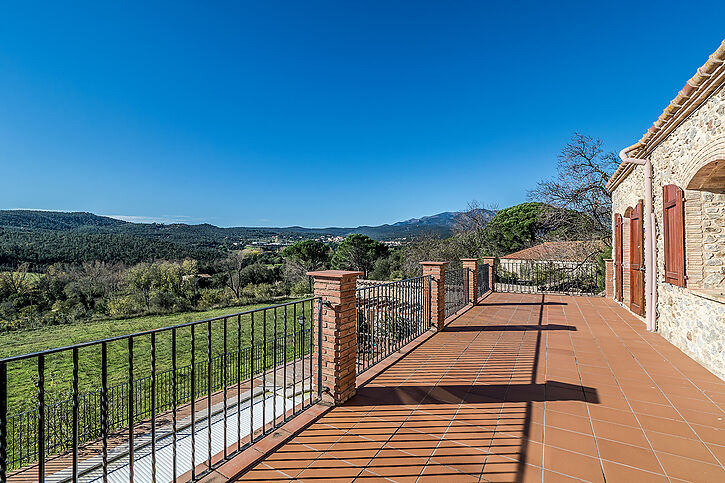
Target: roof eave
(696,91)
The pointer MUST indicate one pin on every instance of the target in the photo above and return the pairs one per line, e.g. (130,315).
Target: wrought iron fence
(545,276)
(456,290)
(484,284)
(230,378)
(389,315)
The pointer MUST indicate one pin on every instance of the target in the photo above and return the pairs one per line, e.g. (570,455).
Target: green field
(22,375)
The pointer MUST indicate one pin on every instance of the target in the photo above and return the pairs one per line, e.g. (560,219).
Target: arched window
(710,177)
(674,234)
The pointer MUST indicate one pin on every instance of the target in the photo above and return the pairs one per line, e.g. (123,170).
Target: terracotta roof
(558,251)
(696,91)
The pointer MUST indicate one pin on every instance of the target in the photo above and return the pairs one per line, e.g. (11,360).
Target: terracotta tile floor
(523,388)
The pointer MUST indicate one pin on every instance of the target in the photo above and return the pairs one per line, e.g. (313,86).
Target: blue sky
(323,113)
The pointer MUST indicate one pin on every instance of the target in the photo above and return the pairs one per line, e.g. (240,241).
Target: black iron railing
(484,284)
(544,276)
(456,290)
(205,372)
(389,315)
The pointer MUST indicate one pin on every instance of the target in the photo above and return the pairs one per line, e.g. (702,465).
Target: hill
(45,237)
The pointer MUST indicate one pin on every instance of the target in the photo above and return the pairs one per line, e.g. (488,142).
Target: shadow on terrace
(519,388)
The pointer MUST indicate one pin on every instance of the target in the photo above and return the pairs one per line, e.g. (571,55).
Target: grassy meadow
(22,375)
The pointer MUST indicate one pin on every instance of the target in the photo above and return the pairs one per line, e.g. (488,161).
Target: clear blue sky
(323,113)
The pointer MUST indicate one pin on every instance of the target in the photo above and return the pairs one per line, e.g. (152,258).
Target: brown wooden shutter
(618,257)
(674,224)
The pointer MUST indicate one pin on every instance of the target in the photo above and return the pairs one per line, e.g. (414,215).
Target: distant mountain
(55,220)
(44,237)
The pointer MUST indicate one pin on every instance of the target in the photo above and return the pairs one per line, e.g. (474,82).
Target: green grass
(22,375)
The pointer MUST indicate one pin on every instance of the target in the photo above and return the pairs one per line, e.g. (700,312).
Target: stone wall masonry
(694,323)
(675,161)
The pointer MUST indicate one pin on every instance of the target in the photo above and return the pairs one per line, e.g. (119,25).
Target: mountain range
(44,237)
(440,224)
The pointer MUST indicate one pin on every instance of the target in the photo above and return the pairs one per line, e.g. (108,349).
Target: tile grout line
(493,436)
(667,398)
(664,471)
(493,348)
(581,382)
(366,467)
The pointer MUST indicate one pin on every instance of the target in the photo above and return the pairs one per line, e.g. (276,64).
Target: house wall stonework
(674,161)
(694,324)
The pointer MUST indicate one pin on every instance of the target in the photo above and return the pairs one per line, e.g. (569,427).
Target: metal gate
(548,276)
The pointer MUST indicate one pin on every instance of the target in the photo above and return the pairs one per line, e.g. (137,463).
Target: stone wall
(694,324)
(695,142)
(691,321)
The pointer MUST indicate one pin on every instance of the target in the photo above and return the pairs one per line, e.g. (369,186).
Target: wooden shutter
(674,224)
(618,257)
(636,259)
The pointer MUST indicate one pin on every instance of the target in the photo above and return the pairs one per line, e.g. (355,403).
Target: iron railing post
(130,410)
(193,402)
(208,391)
(153,407)
(3,422)
(75,415)
(251,384)
(174,397)
(41,418)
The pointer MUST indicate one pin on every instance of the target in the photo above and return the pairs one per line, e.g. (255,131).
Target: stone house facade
(686,150)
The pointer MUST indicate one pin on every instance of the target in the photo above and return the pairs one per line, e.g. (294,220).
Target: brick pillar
(491,262)
(609,278)
(437,272)
(339,333)
(471,264)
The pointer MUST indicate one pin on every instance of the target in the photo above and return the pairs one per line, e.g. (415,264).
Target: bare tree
(232,266)
(469,229)
(474,218)
(16,281)
(583,170)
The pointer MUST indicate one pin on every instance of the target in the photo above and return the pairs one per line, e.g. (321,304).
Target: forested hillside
(46,237)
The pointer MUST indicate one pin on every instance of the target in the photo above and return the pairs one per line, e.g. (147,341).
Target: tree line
(67,293)
(572,206)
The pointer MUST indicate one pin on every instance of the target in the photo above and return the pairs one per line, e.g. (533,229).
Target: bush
(214,297)
(301,288)
(124,306)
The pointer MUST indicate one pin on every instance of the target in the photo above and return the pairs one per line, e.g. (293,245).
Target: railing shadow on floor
(505,328)
(498,304)
(526,393)
(550,391)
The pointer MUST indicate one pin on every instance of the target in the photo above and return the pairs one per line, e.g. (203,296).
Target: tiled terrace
(521,388)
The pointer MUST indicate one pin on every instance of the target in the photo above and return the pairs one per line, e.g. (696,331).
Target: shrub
(124,306)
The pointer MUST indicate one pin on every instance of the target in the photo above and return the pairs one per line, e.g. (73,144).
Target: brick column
(339,333)
(609,278)
(437,272)
(471,264)
(491,261)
